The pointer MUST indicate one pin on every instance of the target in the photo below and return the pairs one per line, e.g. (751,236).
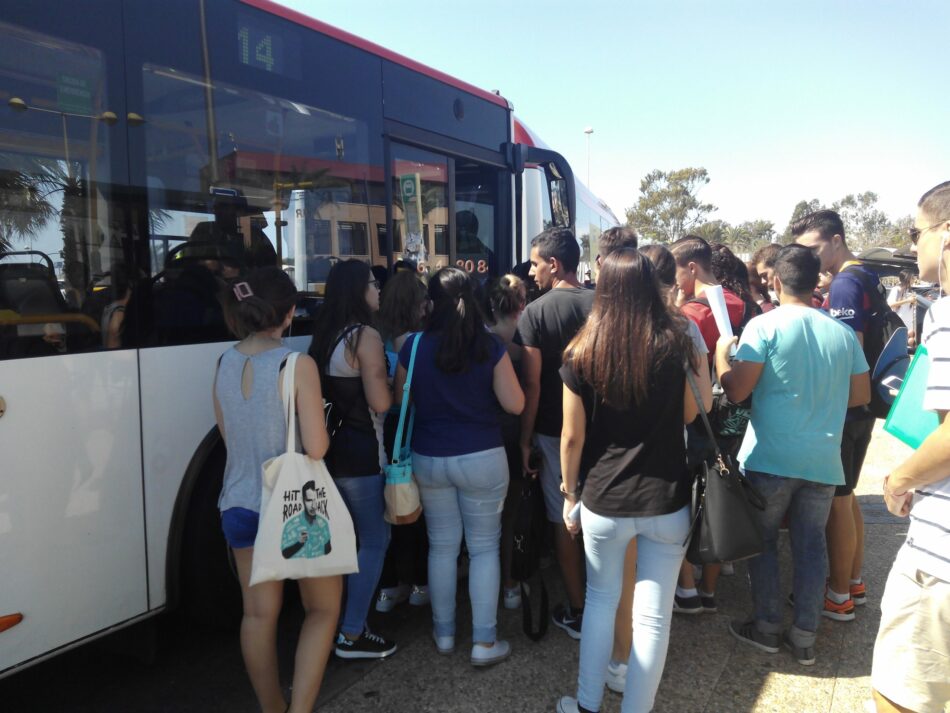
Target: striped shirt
(928,538)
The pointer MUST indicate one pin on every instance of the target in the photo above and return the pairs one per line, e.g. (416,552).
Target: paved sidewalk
(706,671)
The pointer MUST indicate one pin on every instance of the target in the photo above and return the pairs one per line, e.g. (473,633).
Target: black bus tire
(210,591)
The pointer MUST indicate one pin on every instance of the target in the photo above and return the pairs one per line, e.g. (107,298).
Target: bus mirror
(559,202)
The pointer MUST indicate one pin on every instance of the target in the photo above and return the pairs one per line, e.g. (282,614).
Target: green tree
(865,225)
(801,209)
(713,231)
(669,205)
(737,237)
(895,236)
(24,190)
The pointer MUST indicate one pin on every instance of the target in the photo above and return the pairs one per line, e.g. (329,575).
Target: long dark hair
(457,317)
(344,304)
(631,333)
(731,272)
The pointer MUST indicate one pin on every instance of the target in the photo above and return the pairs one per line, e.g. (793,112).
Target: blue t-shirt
(848,302)
(455,413)
(799,402)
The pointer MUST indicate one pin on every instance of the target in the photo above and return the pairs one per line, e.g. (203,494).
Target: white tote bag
(305,528)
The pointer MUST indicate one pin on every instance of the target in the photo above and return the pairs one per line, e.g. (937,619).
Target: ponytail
(458,319)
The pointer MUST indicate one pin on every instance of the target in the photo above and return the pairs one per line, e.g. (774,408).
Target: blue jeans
(364,499)
(659,553)
(807,504)
(464,494)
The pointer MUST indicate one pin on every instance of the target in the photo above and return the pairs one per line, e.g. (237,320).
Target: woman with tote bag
(250,414)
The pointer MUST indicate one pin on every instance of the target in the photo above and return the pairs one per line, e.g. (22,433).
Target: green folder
(907,419)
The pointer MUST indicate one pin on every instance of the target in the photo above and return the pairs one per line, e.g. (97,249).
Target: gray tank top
(255,428)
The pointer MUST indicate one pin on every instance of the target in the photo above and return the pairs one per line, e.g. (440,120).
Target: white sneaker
(727,569)
(445,645)
(488,655)
(419,596)
(567,705)
(389,597)
(512,596)
(616,676)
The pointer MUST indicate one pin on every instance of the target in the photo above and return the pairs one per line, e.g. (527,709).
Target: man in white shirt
(911,669)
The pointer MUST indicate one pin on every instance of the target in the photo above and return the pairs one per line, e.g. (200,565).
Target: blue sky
(779,101)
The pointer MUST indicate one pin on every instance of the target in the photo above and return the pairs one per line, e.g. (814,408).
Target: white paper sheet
(717,303)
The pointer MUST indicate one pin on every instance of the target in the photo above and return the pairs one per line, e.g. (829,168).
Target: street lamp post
(589,130)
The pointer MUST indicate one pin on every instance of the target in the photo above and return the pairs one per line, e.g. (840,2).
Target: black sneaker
(805,655)
(687,605)
(747,633)
(708,601)
(368,646)
(569,622)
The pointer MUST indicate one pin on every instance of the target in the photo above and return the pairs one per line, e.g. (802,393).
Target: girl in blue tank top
(250,415)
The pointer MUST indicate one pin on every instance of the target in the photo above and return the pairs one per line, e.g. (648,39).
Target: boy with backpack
(694,275)
(857,299)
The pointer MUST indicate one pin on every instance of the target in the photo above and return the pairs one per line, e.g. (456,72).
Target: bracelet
(566,492)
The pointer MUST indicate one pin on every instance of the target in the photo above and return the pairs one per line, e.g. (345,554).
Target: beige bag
(305,528)
(401,493)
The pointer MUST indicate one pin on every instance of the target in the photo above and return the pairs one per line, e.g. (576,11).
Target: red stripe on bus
(300,19)
(521,134)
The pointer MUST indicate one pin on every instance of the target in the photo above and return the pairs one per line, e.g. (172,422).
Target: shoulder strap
(871,288)
(694,387)
(698,300)
(398,442)
(343,335)
(288,394)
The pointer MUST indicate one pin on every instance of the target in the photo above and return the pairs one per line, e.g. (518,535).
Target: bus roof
(306,21)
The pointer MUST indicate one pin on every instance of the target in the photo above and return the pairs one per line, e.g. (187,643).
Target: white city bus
(149,153)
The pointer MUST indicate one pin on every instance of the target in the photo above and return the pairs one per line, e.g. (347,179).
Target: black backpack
(883,323)
(528,534)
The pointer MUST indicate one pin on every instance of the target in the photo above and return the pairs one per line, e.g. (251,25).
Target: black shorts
(855,440)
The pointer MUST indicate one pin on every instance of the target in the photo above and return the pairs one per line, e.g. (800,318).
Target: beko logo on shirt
(843,313)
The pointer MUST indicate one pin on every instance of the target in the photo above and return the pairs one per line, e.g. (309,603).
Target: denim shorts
(240,527)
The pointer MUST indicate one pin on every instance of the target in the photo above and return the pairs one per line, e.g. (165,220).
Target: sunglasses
(915,233)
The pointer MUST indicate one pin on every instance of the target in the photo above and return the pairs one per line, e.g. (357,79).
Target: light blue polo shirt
(799,402)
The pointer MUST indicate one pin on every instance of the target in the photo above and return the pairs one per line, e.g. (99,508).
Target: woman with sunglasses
(349,353)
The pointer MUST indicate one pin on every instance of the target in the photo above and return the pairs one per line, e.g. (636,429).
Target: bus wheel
(211,594)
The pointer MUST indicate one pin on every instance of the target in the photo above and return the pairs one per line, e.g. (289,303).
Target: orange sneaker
(859,594)
(838,612)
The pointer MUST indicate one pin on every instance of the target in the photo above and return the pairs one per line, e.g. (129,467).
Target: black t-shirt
(549,324)
(634,460)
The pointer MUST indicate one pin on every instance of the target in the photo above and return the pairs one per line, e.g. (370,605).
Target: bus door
(72,540)
(447,209)
(545,194)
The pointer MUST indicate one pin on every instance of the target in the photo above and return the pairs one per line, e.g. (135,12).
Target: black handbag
(528,533)
(725,526)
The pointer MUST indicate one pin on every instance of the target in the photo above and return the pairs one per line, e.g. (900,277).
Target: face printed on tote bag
(306,523)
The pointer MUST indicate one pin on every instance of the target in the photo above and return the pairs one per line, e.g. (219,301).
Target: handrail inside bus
(83,319)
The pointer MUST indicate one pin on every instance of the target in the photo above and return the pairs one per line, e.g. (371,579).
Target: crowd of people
(594,392)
